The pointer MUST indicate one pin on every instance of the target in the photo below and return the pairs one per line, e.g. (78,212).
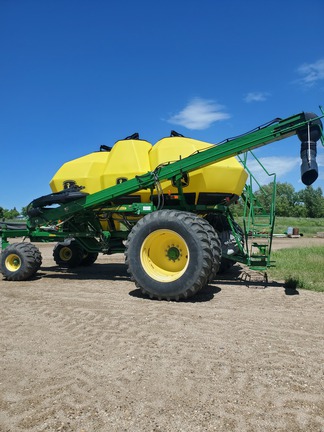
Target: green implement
(174,243)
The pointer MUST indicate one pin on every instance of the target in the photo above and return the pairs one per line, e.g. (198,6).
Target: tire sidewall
(76,255)
(184,282)
(30,261)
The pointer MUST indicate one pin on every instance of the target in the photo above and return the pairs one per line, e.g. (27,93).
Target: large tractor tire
(226,237)
(20,261)
(168,255)
(214,242)
(216,248)
(68,254)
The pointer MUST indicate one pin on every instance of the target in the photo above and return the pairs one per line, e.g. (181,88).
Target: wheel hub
(164,255)
(65,253)
(173,253)
(12,262)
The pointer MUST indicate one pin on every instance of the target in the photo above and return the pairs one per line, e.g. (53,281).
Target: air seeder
(166,206)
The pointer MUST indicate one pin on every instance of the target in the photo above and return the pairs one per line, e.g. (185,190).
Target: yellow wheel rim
(164,255)
(65,253)
(12,262)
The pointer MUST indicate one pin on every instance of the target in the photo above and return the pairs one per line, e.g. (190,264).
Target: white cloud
(256,97)
(281,166)
(199,114)
(311,73)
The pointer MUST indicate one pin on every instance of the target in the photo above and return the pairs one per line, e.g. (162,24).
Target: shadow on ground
(237,276)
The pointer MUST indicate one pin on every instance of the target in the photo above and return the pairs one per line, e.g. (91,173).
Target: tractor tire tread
(191,224)
(30,258)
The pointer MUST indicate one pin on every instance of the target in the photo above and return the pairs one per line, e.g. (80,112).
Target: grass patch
(300,268)
(307,226)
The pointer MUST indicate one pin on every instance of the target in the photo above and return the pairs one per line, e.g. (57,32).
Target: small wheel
(168,255)
(20,261)
(68,255)
(89,258)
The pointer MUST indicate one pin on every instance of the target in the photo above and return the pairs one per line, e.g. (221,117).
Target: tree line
(8,214)
(308,202)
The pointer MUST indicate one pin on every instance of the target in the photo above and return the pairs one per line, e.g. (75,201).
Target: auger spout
(309,136)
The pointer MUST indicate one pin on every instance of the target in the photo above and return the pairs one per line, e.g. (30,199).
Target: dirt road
(86,352)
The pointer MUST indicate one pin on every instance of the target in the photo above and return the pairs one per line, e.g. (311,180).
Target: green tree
(313,202)
(237,208)
(286,199)
(11,214)
(24,211)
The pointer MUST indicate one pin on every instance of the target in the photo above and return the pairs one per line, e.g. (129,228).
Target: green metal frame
(258,221)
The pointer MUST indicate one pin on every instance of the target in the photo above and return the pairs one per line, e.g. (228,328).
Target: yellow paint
(128,158)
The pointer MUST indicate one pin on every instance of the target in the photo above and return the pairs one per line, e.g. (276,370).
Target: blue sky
(75,74)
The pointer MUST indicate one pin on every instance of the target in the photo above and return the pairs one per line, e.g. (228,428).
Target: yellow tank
(208,185)
(131,157)
(85,171)
(99,170)
(127,159)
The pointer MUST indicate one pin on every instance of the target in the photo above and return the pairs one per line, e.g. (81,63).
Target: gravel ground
(84,351)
